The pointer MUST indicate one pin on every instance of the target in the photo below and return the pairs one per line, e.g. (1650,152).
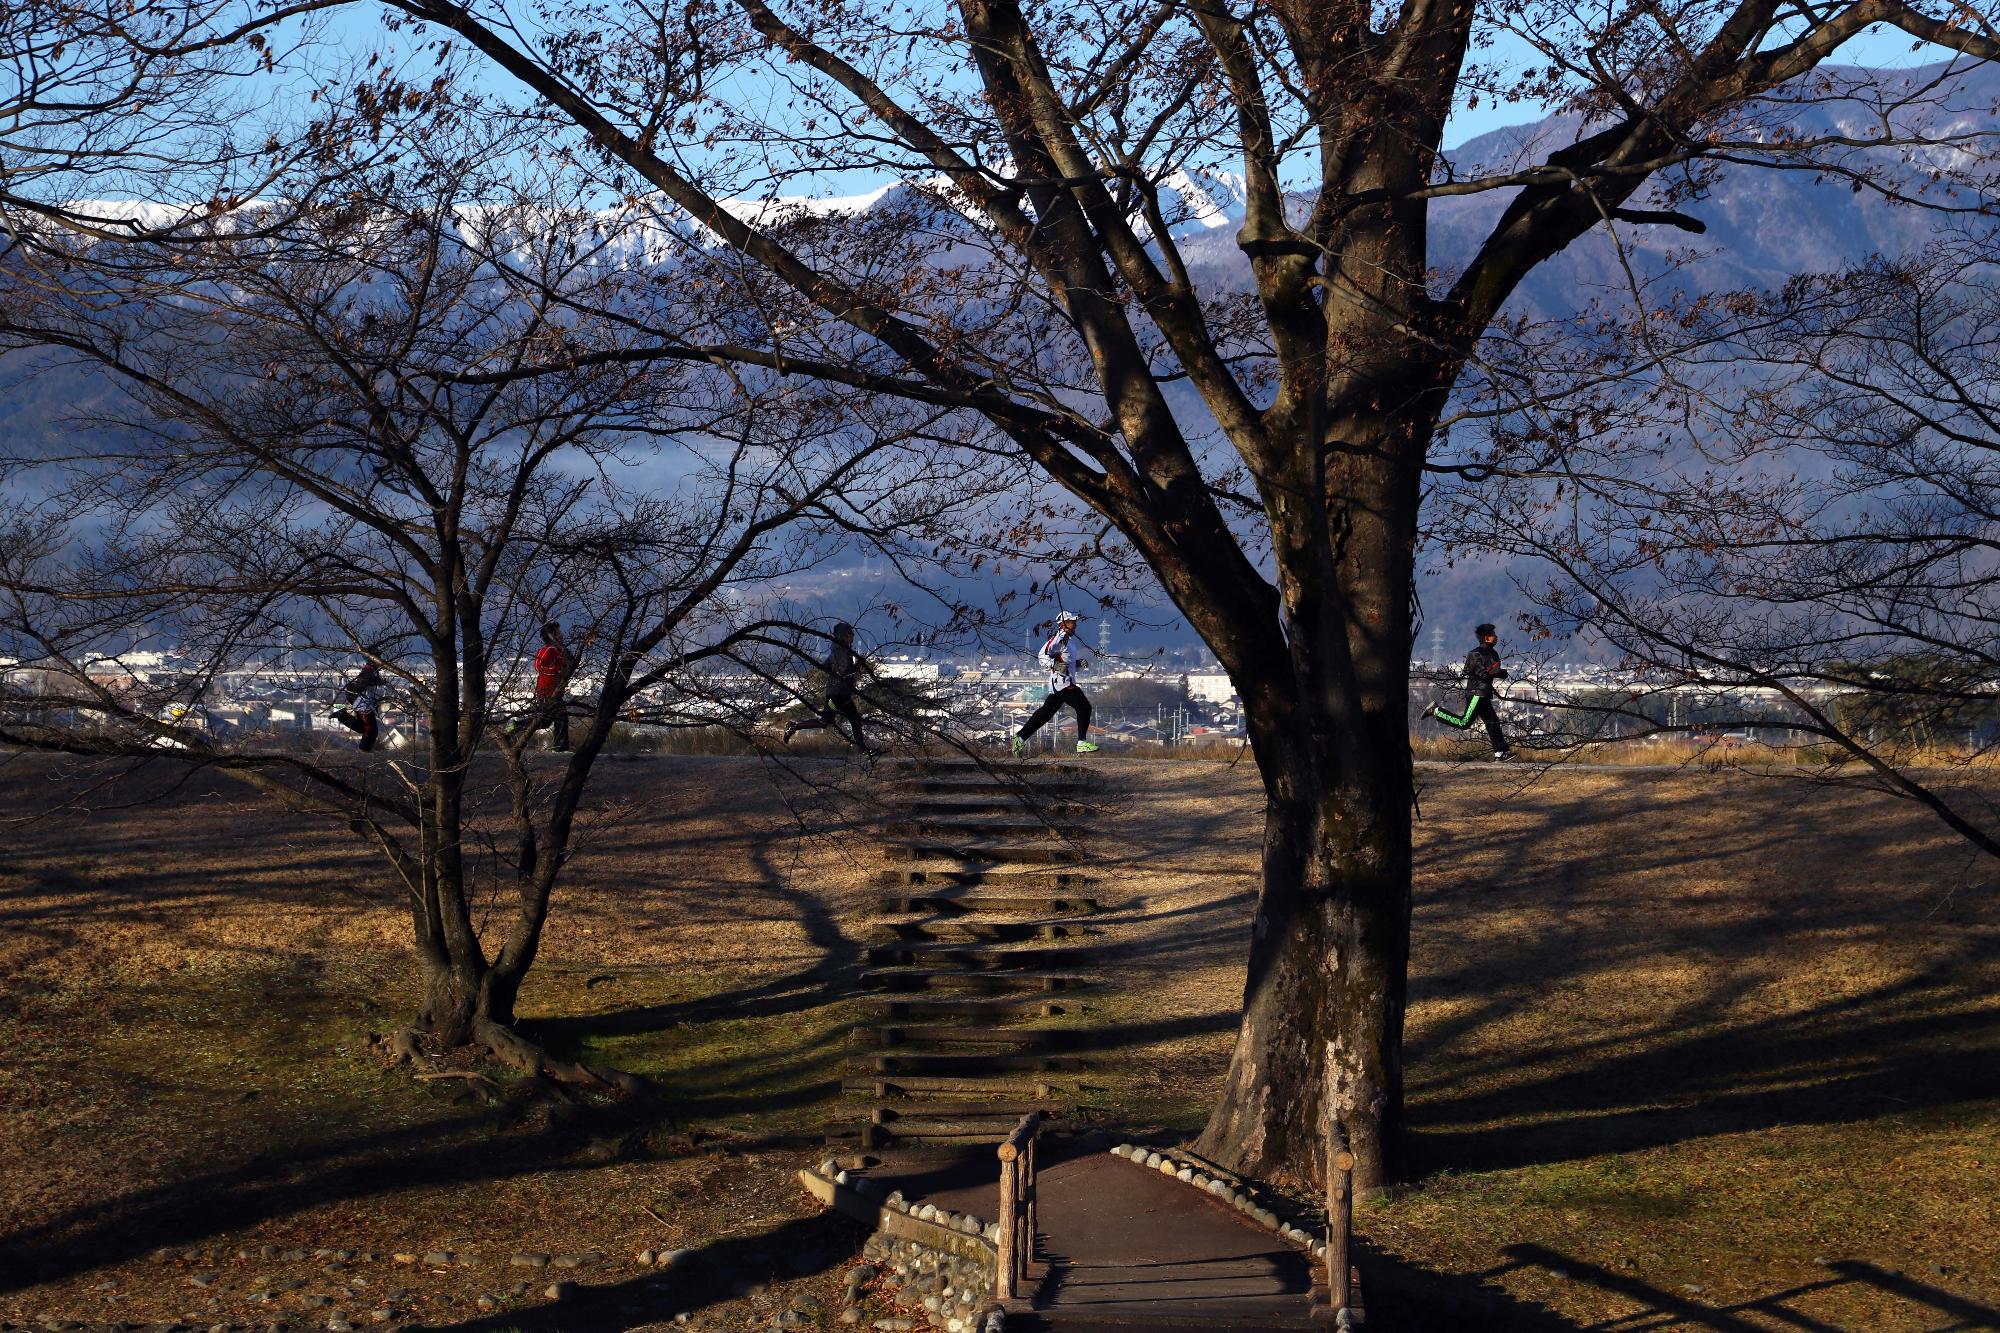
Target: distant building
(903,668)
(1211,687)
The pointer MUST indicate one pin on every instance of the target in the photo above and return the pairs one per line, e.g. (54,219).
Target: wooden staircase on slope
(982,960)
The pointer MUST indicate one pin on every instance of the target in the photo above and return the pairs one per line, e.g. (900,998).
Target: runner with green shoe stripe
(1482,670)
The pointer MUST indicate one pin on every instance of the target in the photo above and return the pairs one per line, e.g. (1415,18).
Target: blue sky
(1882,47)
(359,29)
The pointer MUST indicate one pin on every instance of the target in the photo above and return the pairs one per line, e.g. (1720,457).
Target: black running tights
(1070,695)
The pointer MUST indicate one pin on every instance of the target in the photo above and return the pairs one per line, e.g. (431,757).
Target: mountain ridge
(1763,226)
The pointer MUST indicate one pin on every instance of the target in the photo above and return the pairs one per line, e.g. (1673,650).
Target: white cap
(1067,615)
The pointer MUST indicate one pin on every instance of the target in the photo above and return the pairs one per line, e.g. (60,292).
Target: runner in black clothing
(1482,670)
(363,696)
(843,675)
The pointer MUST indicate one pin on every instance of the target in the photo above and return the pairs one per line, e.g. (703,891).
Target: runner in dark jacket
(843,677)
(1482,674)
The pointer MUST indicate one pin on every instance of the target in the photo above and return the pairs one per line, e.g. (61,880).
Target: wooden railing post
(1006,1268)
(1017,1207)
(1339,1210)
(1030,1195)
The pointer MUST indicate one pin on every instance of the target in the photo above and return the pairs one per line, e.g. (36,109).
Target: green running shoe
(1086,747)
(1020,747)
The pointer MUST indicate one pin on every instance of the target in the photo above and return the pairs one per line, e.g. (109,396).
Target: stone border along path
(938,1263)
(986,909)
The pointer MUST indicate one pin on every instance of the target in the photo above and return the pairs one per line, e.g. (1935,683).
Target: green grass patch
(723,1050)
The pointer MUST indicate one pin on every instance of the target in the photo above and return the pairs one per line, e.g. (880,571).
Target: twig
(457,1073)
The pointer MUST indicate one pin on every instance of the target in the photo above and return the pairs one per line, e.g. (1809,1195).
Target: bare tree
(1263,452)
(318,449)
(1798,518)
(123,121)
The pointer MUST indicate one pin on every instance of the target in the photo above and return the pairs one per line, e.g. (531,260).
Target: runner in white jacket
(1056,659)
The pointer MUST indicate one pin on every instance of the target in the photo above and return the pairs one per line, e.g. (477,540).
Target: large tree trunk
(1325,993)
(454,1001)
(1323,1003)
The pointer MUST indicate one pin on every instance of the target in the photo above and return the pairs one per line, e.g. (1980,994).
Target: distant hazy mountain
(1763,226)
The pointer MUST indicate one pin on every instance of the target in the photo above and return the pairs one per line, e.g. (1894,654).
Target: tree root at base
(510,1048)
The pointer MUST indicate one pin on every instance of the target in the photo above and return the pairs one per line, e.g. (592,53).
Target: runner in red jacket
(553,668)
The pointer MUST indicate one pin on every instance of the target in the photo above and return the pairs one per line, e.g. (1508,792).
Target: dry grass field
(1701,1050)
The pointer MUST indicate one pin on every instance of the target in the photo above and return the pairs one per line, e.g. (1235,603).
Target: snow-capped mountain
(1195,200)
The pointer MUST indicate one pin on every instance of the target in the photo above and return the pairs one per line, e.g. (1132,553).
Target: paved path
(1128,1248)
(1129,1244)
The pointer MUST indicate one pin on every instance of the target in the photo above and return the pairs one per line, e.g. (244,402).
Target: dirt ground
(1702,1050)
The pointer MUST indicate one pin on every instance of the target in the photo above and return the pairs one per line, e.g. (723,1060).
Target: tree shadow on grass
(1413,1298)
(461,1149)
(1925,1305)
(719,1271)
(305,1168)
(464,1149)
(828,978)
(1851,1059)
(1407,1297)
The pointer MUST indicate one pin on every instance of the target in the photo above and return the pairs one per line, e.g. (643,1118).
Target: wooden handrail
(1017,1206)
(1339,1211)
(1022,1137)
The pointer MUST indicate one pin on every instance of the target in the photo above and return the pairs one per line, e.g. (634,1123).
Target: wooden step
(1003,879)
(981,955)
(906,1109)
(923,1062)
(909,978)
(959,765)
(1006,804)
(950,904)
(973,1141)
(922,1005)
(959,929)
(879,1135)
(882,1036)
(984,786)
(983,853)
(881,1086)
(1163,1316)
(972,828)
